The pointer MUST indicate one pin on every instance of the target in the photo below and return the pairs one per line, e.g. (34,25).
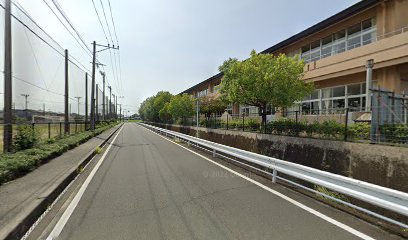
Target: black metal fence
(339,124)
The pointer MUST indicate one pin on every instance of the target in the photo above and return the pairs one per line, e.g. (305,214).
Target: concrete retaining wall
(382,165)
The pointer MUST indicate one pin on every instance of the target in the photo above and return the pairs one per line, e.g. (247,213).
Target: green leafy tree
(210,105)
(264,79)
(181,106)
(165,114)
(151,107)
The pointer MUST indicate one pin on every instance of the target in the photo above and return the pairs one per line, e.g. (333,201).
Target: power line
(113,23)
(45,41)
(19,7)
(64,15)
(100,22)
(106,20)
(66,28)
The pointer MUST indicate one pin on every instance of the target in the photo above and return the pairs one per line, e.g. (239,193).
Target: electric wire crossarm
(95,64)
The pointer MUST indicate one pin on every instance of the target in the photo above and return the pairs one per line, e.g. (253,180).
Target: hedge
(20,163)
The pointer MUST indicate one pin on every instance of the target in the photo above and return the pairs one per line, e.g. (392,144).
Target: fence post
(346,125)
(66,96)
(60,131)
(49,130)
(76,127)
(227,121)
(296,112)
(243,122)
(32,125)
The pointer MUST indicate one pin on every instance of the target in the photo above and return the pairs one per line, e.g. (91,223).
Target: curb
(22,227)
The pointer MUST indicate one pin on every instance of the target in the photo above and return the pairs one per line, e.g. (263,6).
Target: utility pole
(8,93)
(97,103)
(93,77)
(86,100)
(78,103)
(110,102)
(93,87)
(26,100)
(66,115)
(103,99)
(120,113)
(113,106)
(25,103)
(116,107)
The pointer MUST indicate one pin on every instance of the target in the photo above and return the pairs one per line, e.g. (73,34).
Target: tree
(151,107)
(264,79)
(181,106)
(160,100)
(210,105)
(165,114)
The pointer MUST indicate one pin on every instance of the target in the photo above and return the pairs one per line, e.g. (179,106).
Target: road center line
(70,209)
(294,202)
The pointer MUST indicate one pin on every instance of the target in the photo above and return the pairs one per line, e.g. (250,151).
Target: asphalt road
(150,188)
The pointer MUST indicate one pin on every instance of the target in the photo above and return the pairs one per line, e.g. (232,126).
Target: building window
(335,99)
(355,36)
(202,93)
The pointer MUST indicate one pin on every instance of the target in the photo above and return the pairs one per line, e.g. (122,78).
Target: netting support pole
(66,107)
(8,129)
(86,101)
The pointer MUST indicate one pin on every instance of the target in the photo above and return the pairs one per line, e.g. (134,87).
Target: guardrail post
(188,143)
(214,153)
(274,175)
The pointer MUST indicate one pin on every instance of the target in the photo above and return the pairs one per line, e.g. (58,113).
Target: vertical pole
(198,115)
(346,125)
(274,175)
(116,107)
(49,130)
(66,114)
(93,88)
(227,120)
(120,112)
(8,129)
(369,83)
(43,109)
(86,100)
(110,102)
(243,122)
(103,100)
(97,103)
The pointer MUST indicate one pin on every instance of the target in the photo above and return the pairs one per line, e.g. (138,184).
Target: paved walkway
(22,196)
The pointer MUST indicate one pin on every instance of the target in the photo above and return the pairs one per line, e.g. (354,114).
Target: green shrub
(253,124)
(395,132)
(359,130)
(26,137)
(331,128)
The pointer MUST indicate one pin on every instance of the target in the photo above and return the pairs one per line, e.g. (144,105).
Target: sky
(164,45)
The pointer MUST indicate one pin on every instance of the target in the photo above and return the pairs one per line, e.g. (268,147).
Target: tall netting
(38,80)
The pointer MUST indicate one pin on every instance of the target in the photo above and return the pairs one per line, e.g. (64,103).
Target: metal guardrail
(387,198)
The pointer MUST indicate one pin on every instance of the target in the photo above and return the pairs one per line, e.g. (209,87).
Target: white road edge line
(294,202)
(70,209)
